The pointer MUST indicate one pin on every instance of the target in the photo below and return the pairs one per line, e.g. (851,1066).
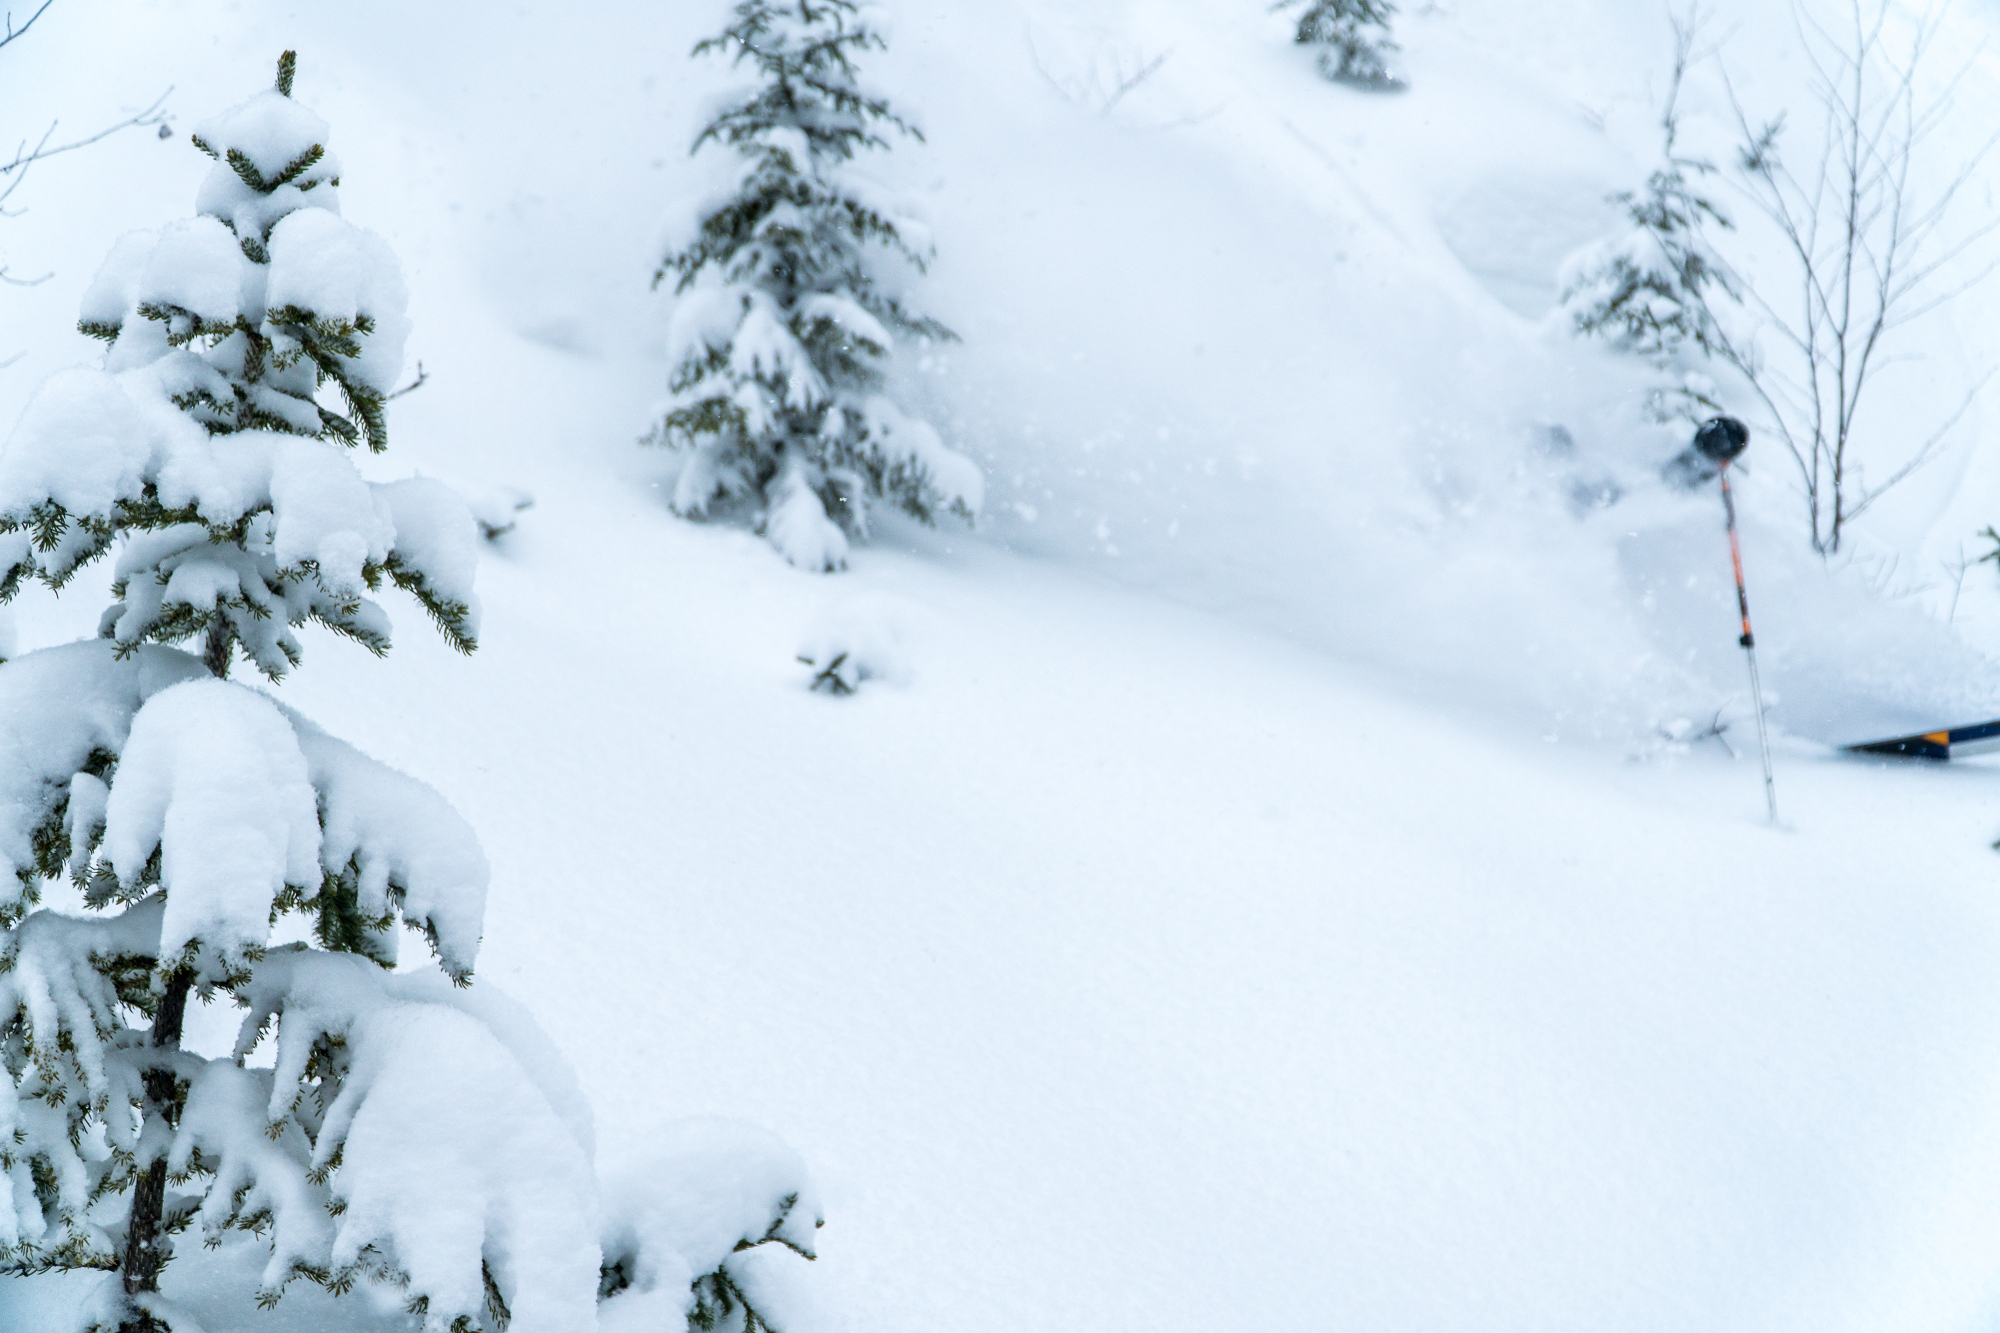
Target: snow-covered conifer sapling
(785,326)
(371,1127)
(1649,292)
(222,846)
(1352,38)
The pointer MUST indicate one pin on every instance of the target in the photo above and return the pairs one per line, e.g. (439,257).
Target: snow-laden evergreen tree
(402,1137)
(1648,292)
(219,470)
(1352,37)
(785,324)
(404,1130)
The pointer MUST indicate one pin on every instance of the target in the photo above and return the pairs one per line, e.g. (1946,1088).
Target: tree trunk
(215,656)
(144,1254)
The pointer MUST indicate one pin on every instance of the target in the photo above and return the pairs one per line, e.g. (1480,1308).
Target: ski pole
(1721,440)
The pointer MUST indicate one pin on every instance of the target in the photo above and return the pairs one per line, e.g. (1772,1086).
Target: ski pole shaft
(1749,644)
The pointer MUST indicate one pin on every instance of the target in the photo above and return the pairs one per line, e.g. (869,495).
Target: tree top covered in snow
(804,49)
(203,443)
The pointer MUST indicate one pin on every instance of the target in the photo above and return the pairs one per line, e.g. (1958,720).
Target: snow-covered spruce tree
(216,461)
(1648,291)
(195,817)
(409,1133)
(1352,37)
(784,330)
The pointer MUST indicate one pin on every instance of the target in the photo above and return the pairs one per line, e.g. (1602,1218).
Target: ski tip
(1951,743)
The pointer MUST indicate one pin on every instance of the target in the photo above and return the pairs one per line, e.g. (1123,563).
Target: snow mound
(343,277)
(860,637)
(282,143)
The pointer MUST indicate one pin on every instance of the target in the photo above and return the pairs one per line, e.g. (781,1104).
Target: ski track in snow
(1197,931)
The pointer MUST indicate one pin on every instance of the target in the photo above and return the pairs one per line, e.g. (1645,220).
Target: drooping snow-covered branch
(236,810)
(65,714)
(453,1172)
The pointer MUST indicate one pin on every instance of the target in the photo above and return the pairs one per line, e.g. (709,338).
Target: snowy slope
(1204,932)
(1233,300)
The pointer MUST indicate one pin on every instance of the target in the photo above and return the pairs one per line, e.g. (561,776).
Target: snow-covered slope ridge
(1118,966)
(1232,300)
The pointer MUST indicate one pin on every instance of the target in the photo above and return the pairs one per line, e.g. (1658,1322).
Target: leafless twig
(412,386)
(1957,570)
(1685,733)
(1110,79)
(1125,81)
(10,32)
(1866,252)
(15,170)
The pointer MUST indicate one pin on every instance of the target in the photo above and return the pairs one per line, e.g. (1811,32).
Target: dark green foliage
(786,260)
(837,677)
(339,924)
(1352,37)
(1650,293)
(720,1302)
(452,618)
(1650,298)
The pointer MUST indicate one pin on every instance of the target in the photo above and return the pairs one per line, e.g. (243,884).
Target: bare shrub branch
(14,170)
(8,32)
(1866,251)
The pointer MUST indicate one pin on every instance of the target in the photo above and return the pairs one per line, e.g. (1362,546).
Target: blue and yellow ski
(1955,743)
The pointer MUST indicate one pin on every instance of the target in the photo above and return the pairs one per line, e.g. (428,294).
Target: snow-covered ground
(1261,891)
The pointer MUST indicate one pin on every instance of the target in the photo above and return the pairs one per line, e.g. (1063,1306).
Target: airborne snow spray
(1720,440)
